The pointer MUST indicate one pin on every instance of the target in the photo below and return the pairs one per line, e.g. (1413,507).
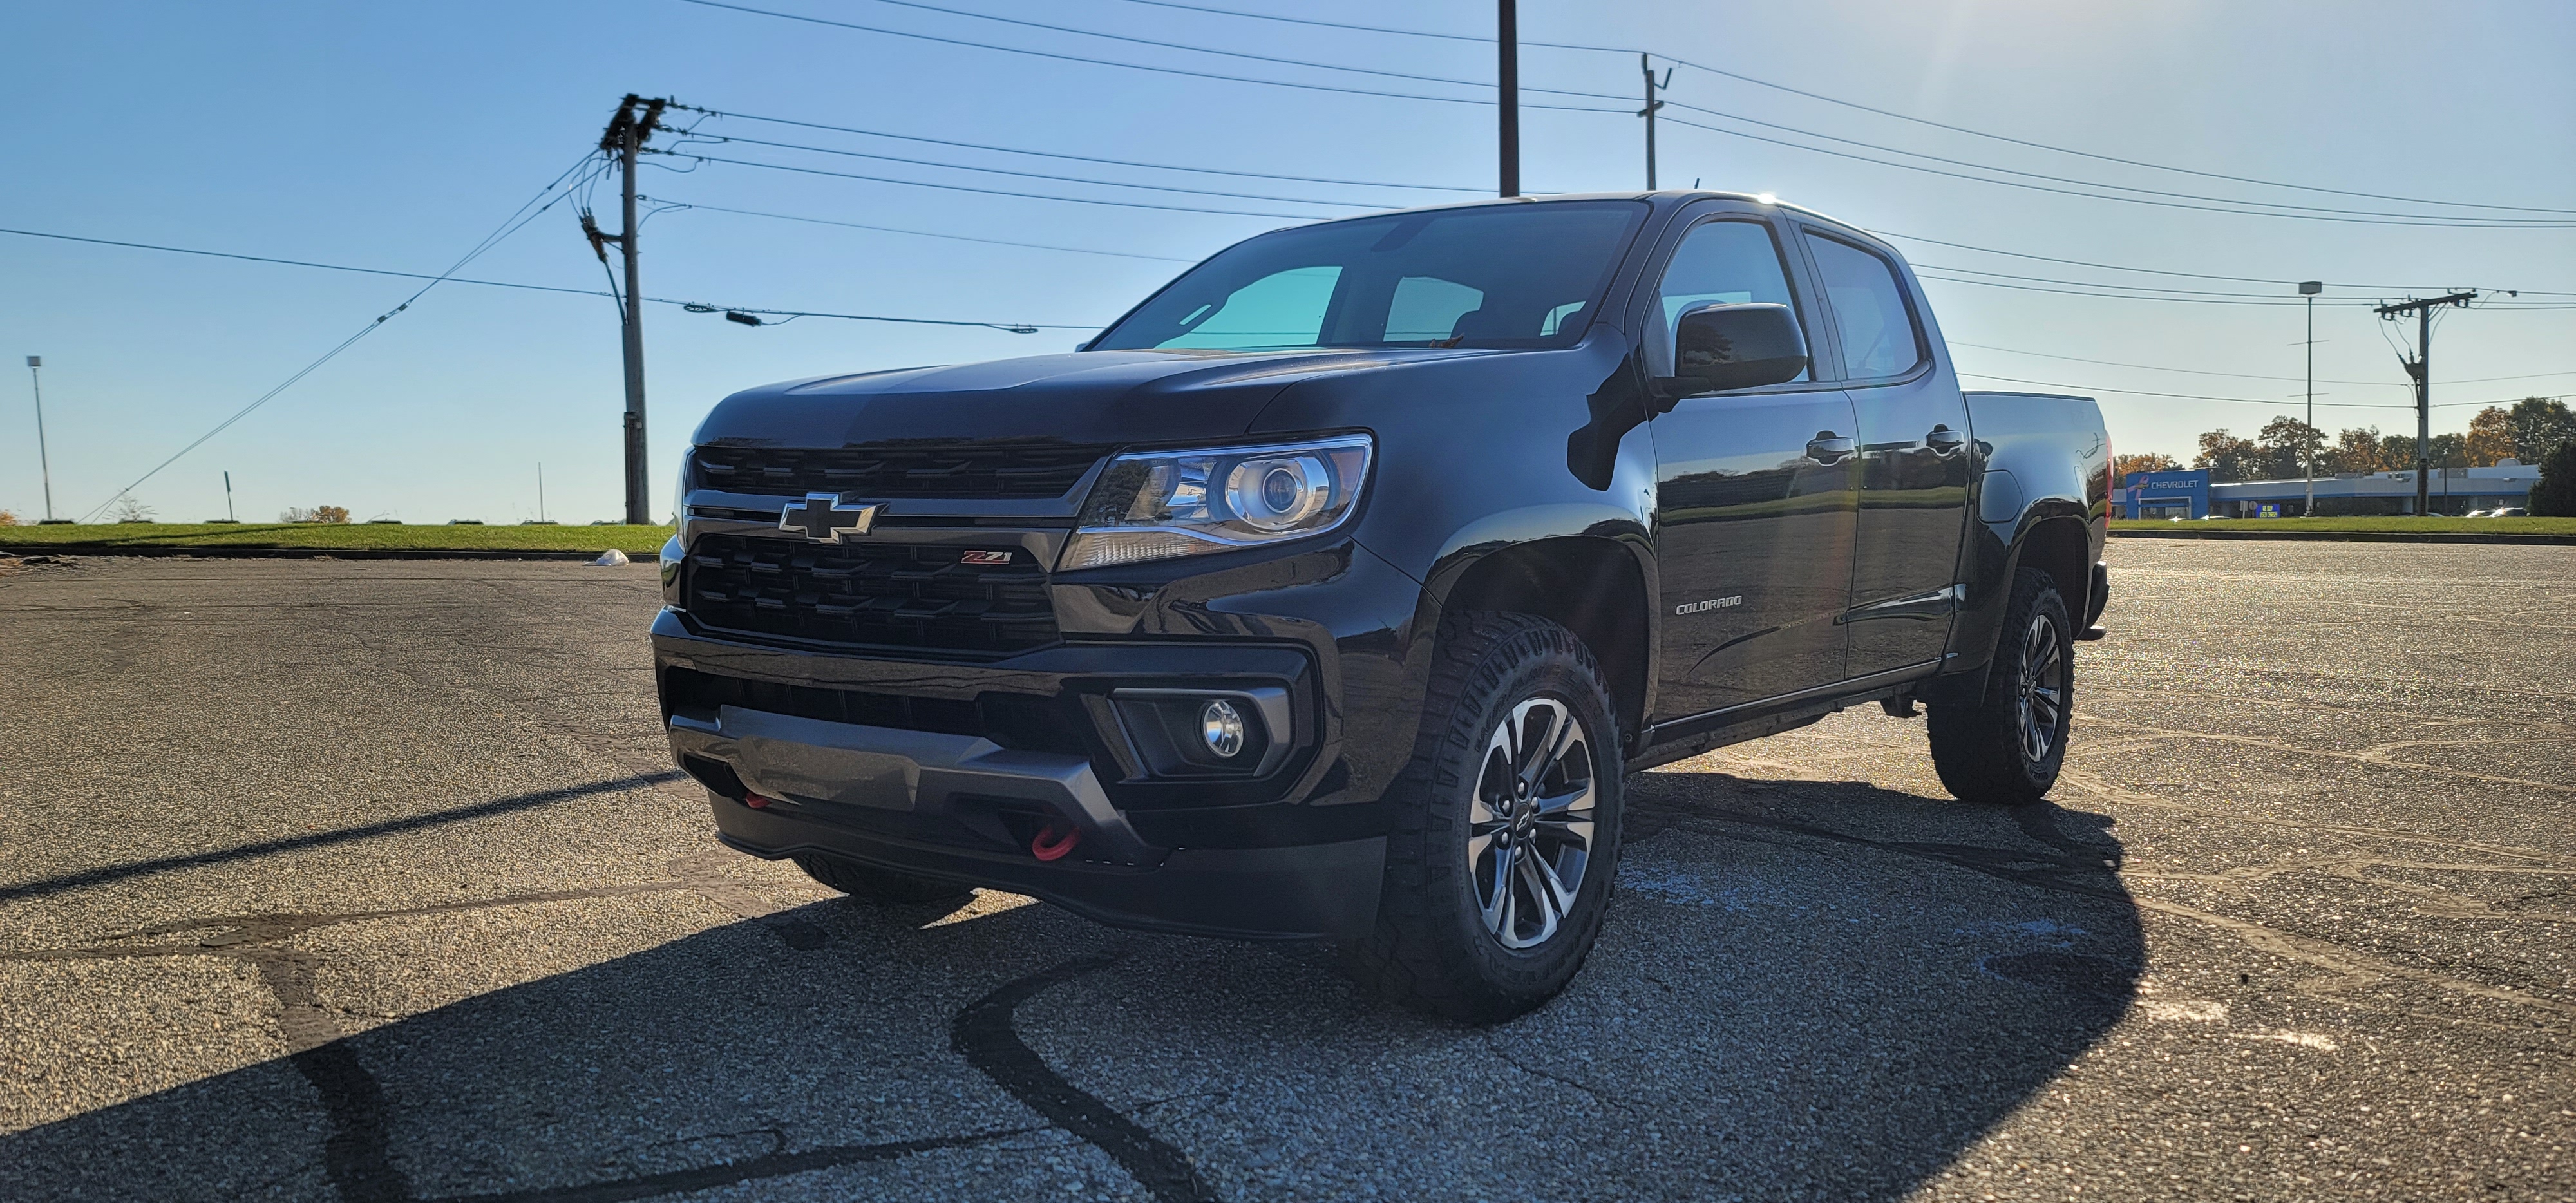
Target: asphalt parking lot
(371,881)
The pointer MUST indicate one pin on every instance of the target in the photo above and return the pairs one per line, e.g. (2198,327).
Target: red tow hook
(754,801)
(1054,843)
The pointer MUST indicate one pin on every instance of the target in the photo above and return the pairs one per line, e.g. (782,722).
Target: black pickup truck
(1332,591)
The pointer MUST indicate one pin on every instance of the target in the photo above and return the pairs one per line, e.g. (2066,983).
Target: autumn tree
(2490,437)
(2354,450)
(2227,457)
(2287,443)
(2144,461)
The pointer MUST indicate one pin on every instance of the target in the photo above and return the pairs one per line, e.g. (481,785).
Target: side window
(1280,309)
(1868,304)
(1729,262)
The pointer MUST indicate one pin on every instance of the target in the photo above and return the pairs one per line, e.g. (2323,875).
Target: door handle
(1830,448)
(1944,440)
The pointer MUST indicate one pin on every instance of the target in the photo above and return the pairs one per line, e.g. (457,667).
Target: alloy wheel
(1529,827)
(2043,687)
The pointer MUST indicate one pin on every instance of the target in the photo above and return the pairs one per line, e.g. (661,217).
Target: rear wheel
(2007,747)
(872,884)
(1504,836)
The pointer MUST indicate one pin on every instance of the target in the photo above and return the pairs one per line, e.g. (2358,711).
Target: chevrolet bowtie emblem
(822,518)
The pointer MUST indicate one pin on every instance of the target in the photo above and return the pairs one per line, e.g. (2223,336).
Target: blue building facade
(2181,494)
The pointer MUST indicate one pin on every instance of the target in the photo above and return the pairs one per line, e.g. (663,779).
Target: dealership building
(2191,494)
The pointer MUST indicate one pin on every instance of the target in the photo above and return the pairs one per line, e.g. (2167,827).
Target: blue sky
(396,136)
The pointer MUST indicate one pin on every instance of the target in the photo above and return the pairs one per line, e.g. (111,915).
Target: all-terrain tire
(2006,748)
(871,884)
(1436,947)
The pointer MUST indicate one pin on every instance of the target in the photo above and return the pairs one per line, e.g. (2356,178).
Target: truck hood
(1094,397)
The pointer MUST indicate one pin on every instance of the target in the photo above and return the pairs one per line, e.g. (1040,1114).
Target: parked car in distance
(1333,591)
(2511,511)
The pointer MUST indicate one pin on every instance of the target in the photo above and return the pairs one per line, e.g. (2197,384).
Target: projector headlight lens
(1164,504)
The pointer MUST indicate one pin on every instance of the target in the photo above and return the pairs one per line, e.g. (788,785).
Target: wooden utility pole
(2421,368)
(1646,64)
(635,122)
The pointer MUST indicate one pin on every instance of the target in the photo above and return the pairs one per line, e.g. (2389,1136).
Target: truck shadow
(1806,989)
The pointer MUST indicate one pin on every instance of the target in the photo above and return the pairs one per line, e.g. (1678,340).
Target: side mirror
(1721,347)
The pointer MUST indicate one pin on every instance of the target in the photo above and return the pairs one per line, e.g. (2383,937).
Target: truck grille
(874,594)
(1047,470)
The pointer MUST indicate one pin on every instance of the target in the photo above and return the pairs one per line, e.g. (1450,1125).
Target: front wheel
(1504,831)
(2007,747)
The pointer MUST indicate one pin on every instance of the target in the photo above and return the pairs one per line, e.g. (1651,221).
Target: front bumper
(1278,855)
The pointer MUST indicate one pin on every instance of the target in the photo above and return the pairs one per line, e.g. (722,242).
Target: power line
(2242,375)
(2511,223)
(1033,175)
(336,267)
(2157,271)
(1448,188)
(2356,218)
(1854,105)
(1005,327)
(509,225)
(2131,392)
(695,306)
(1079,200)
(1076,58)
(1261,58)
(825,221)
(2118,296)
(2178,200)
(2155,288)
(1049,154)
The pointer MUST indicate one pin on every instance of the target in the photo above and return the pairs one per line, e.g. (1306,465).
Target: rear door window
(1879,337)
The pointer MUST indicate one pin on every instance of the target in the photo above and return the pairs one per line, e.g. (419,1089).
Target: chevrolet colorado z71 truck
(1333,590)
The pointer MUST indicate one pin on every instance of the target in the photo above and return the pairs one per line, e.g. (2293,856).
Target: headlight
(1161,504)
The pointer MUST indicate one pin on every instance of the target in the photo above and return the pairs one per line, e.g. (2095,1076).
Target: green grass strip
(633,540)
(2391,524)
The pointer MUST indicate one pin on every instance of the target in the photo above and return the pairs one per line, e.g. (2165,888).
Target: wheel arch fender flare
(1588,567)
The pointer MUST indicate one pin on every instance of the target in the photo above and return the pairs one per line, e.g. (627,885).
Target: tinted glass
(1869,309)
(1726,262)
(1525,275)
(1280,307)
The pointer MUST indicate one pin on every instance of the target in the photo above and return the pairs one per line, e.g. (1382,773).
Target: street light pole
(44,463)
(2310,289)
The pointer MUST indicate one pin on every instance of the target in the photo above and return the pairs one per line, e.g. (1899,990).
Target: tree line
(2529,432)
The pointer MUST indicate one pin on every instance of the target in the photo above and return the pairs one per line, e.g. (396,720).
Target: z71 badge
(985,557)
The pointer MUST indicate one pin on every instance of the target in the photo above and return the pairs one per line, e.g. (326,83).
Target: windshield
(1527,275)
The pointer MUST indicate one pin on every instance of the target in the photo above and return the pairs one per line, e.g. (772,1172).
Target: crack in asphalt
(705,1177)
(982,1033)
(356,1154)
(356,1151)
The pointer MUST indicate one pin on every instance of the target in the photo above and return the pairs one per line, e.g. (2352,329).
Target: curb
(305,553)
(2353,536)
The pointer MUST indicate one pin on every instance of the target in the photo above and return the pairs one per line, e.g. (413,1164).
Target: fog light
(1222,727)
